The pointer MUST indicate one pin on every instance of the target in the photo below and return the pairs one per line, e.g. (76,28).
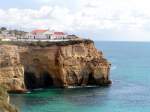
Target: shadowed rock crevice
(32,81)
(91,80)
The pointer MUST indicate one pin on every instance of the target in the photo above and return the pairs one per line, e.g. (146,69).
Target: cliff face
(11,70)
(5,106)
(59,65)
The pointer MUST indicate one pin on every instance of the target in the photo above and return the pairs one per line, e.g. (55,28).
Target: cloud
(45,17)
(86,15)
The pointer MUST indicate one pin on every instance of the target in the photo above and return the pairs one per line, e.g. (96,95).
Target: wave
(113,67)
(88,86)
(28,92)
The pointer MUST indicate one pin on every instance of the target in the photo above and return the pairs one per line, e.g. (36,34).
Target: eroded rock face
(11,70)
(5,106)
(59,65)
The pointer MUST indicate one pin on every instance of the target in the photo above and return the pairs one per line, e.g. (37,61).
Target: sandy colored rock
(62,64)
(11,70)
(5,106)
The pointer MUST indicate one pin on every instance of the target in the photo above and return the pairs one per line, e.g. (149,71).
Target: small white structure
(7,37)
(5,32)
(58,36)
(46,35)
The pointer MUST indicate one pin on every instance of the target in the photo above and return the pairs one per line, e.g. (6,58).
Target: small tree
(3,28)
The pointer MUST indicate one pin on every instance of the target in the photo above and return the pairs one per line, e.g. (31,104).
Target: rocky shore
(25,66)
(5,106)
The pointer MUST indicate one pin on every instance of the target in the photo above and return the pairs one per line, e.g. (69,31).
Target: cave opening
(32,81)
(91,80)
(47,80)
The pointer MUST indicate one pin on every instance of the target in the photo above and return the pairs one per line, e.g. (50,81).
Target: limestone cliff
(11,70)
(5,106)
(60,64)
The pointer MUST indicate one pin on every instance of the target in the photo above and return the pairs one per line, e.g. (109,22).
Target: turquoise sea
(130,91)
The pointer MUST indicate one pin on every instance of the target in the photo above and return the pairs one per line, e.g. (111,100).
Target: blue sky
(110,20)
(34,4)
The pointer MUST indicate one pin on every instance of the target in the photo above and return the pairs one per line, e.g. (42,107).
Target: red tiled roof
(59,33)
(38,31)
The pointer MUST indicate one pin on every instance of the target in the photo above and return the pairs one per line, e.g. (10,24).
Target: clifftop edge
(46,43)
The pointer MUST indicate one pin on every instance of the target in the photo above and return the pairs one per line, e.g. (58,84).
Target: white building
(7,37)
(46,35)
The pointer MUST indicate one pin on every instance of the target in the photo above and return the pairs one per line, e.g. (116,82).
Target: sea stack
(31,65)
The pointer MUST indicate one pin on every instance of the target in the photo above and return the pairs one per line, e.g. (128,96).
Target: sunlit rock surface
(5,106)
(45,64)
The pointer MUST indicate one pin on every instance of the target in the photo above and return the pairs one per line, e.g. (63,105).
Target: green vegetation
(3,29)
(4,101)
(45,43)
(6,42)
(14,32)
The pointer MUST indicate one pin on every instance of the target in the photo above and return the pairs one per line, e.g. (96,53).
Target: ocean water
(130,91)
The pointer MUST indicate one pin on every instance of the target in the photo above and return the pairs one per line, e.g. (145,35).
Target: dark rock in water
(60,64)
